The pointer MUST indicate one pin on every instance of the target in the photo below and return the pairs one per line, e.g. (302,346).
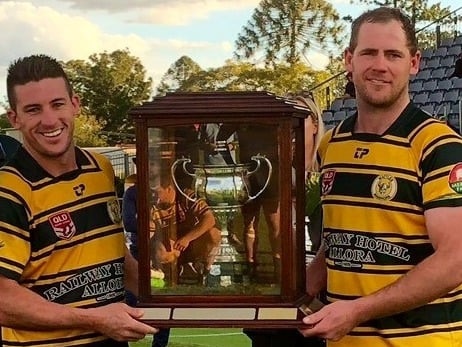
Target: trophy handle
(184,161)
(257,158)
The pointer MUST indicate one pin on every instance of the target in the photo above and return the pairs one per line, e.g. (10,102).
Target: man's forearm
(205,223)
(432,278)
(23,309)
(316,273)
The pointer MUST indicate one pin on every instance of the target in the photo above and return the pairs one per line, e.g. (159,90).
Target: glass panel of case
(214,209)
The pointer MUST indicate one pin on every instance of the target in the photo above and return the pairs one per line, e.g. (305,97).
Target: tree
(4,122)
(286,30)
(110,84)
(177,73)
(333,86)
(87,131)
(280,79)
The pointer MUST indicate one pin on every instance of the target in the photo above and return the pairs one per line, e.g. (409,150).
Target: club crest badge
(62,225)
(327,181)
(384,187)
(113,209)
(455,178)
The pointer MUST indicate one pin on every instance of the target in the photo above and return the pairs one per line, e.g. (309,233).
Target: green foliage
(4,122)
(177,74)
(284,31)
(110,84)
(280,79)
(333,85)
(87,132)
(447,24)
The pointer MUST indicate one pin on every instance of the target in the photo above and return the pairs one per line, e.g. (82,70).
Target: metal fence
(121,161)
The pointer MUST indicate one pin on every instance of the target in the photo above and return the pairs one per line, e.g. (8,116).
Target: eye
(58,104)
(368,52)
(32,110)
(394,55)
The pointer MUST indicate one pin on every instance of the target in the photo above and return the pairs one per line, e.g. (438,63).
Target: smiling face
(381,64)
(44,114)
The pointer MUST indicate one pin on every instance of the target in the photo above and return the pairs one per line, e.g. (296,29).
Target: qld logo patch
(63,225)
(113,208)
(455,178)
(384,187)
(327,181)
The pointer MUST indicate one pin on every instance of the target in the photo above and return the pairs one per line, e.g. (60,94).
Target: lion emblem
(113,209)
(384,187)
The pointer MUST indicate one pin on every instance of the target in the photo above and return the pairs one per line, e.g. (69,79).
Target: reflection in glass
(206,233)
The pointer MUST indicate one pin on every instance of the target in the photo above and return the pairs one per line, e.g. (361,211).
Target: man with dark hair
(392,205)
(58,211)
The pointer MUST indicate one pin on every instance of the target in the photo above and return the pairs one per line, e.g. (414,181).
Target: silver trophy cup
(225,188)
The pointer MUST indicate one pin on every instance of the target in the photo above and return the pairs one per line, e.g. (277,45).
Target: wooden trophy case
(221,209)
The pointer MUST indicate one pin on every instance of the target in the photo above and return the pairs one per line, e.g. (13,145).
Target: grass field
(203,337)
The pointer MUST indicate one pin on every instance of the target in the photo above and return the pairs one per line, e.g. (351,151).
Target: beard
(380,101)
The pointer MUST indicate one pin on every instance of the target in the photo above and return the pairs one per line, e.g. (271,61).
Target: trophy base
(227,274)
(229,267)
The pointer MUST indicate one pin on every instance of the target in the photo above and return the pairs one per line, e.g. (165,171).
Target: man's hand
(181,244)
(119,322)
(332,322)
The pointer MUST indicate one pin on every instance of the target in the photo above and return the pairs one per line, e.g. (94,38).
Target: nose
(380,62)
(49,117)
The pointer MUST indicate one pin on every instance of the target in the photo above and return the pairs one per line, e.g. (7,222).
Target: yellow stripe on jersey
(435,339)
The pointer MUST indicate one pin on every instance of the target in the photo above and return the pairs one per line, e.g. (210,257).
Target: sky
(157,31)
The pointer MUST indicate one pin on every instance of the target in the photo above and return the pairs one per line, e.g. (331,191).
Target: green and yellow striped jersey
(375,189)
(61,237)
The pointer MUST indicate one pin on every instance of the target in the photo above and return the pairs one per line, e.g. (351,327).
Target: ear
(347,57)
(75,100)
(13,118)
(347,60)
(415,63)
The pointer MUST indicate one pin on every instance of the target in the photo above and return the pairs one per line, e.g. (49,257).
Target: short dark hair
(33,68)
(384,15)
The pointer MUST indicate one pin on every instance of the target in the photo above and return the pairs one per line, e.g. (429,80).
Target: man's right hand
(181,244)
(119,322)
